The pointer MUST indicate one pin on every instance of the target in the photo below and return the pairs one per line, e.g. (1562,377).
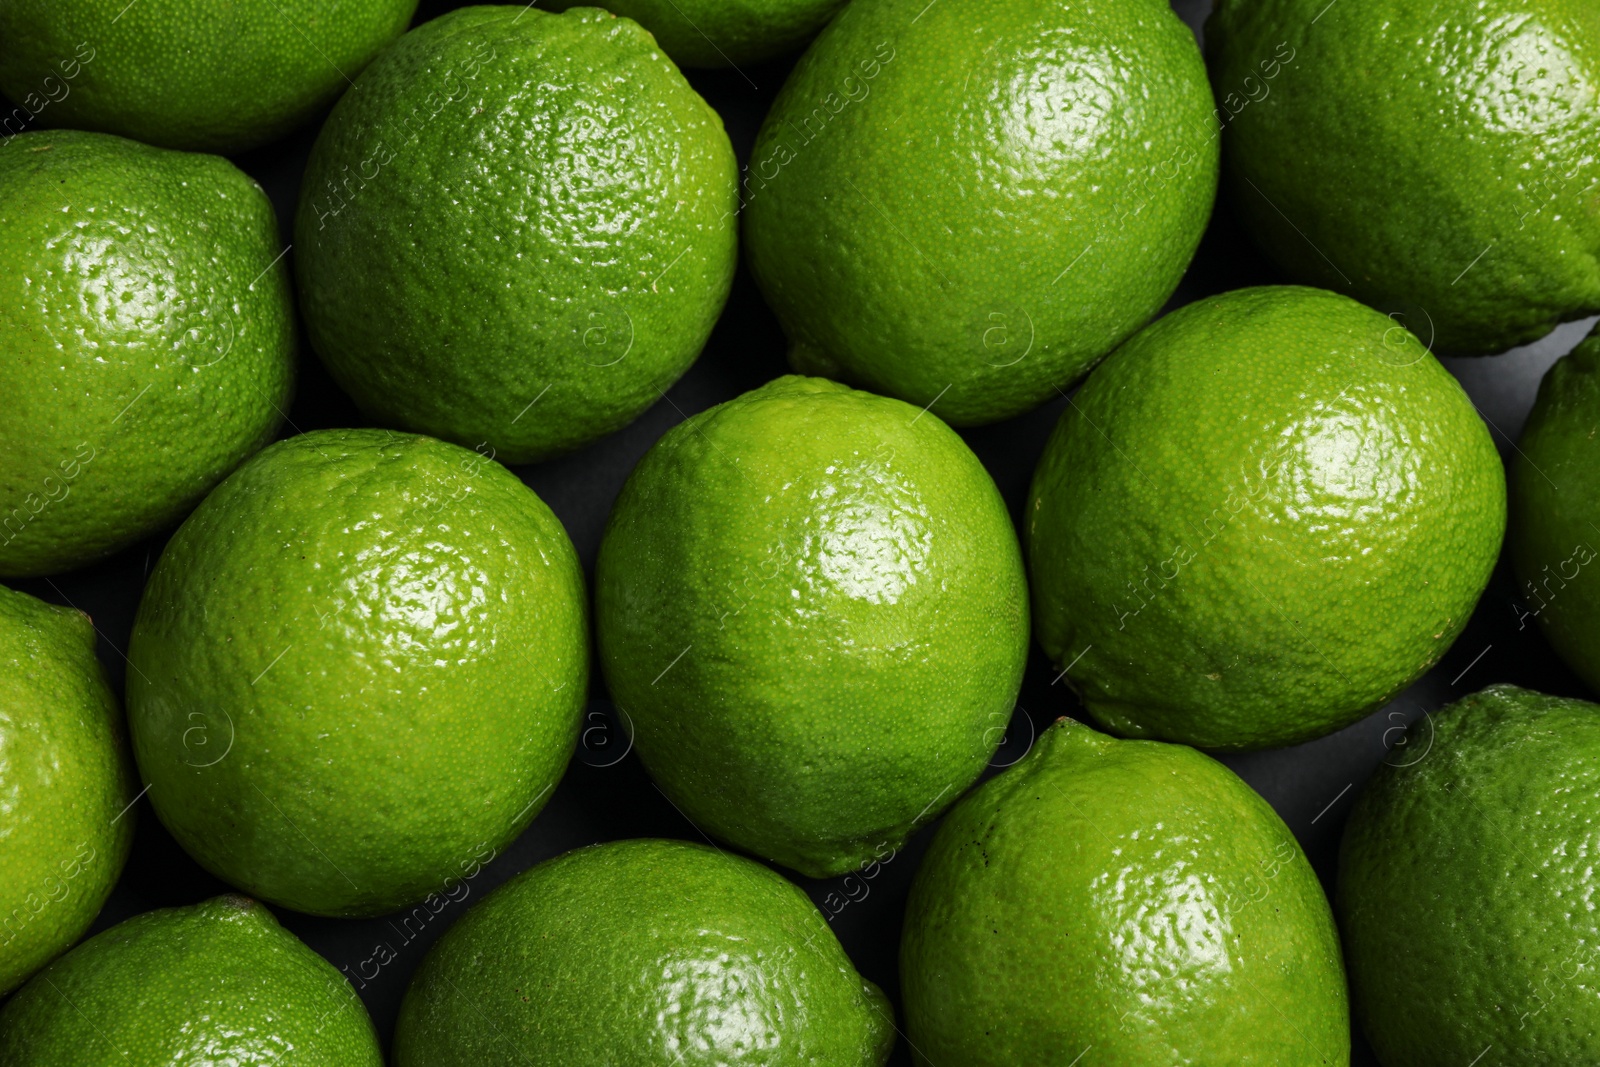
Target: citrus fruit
(186,73)
(1555,510)
(1131,897)
(1433,160)
(1262,517)
(359,664)
(148,333)
(643,954)
(64,784)
(722,33)
(216,983)
(965,204)
(516,230)
(1464,880)
(810,603)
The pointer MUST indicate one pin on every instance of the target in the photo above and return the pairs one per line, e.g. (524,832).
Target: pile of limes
(362,662)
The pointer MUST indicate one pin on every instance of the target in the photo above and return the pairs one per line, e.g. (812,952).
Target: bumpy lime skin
(147,330)
(1127,896)
(517,229)
(1436,160)
(216,983)
(188,74)
(359,664)
(1261,518)
(65,784)
(1465,881)
(721,33)
(643,954)
(811,603)
(1555,510)
(970,203)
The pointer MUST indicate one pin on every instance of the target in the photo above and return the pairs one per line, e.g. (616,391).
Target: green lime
(811,604)
(1129,897)
(1436,160)
(1555,511)
(65,784)
(213,984)
(722,33)
(188,73)
(358,668)
(1261,518)
(967,203)
(148,335)
(517,230)
(643,954)
(1465,885)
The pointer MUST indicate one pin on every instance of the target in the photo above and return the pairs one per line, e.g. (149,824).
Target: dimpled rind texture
(968,203)
(190,74)
(811,604)
(1555,510)
(216,983)
(1466,886)
(517,229)
(359,664)
(146,340)
(1261,518)
(65,784)
(1128,896)
(643,953)
(721,33)
(1431,159)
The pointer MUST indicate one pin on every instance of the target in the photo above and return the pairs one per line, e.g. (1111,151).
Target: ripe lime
(358,667)
(641,953)
(966,203)
(516,230)
(1262,517)
(1129,897)
(149,340)
(1435,160)
(811,603)
(65,784)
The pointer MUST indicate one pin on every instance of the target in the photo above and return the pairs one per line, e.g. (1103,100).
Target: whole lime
(643,954)
(723,33)
(188,73)
(148,337)
(1433,160)
(517,229)
(810,602)
(1131,897)
(965,204)
(359,665)
(1555,511)
(1264,516)
(217,983)
(65,780)
(1464,877)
